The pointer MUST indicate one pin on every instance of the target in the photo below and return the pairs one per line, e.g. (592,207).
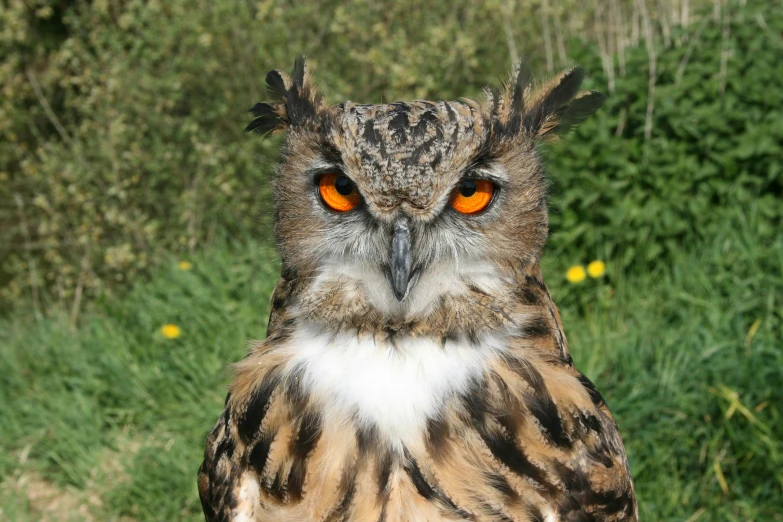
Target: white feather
(394,388)
(248,500)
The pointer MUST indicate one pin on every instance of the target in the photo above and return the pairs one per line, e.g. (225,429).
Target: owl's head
(392,214)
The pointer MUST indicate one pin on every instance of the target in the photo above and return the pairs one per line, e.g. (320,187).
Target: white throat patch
(393,388)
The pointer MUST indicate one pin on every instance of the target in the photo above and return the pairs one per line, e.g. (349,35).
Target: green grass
(109,420)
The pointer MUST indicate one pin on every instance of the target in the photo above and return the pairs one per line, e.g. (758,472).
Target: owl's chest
(391,387)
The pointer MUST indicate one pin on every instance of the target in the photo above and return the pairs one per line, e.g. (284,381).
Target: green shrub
(122,129)
(121,123)
(716,142)
(149,155)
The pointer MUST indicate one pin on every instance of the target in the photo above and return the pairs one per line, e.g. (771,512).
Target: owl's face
(390,212)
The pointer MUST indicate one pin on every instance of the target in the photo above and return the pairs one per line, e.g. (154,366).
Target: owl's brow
(320,168)
(329,152)
(484,169)
(482,160)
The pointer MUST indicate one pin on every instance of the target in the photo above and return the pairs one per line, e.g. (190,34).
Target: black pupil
(343,185)
(467,188)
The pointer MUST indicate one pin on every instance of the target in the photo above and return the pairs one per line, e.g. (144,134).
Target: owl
(415,368)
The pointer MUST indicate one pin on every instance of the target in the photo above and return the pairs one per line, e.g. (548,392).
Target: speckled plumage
(459,401)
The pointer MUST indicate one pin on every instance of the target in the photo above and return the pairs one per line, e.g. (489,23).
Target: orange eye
(338,192)
(472,195)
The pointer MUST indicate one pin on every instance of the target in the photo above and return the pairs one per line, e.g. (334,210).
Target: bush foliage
(121,123)
(716,141)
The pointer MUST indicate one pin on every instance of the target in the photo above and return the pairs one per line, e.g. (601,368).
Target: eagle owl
(415,367)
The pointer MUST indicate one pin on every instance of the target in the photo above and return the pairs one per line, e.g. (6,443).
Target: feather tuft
(559,105)
(566,86)
(582,107)
(268,119)
(276,84)
(294,101)
(300,69)
(520,82)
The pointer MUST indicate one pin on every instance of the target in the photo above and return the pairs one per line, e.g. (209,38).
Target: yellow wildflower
(596,269)
(185,265)
(170,331)
(576,274)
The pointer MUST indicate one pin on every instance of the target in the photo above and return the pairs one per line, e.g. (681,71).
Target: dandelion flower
(170,331)
(596,269)
(576,274)
(185,265)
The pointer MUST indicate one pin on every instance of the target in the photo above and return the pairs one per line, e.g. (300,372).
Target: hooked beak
(400,274)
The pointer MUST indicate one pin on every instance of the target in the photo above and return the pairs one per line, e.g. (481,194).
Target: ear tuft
(276,85)
(269,118)
(295,101)
(298,74)
(561,89)
(584,105)
(520,80)
(491,98)
(559,105)
(551,109)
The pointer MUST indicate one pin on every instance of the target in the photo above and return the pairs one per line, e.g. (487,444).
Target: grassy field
(107,421)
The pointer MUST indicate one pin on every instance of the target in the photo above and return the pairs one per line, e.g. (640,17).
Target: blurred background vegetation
(121,122)
(121,151)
